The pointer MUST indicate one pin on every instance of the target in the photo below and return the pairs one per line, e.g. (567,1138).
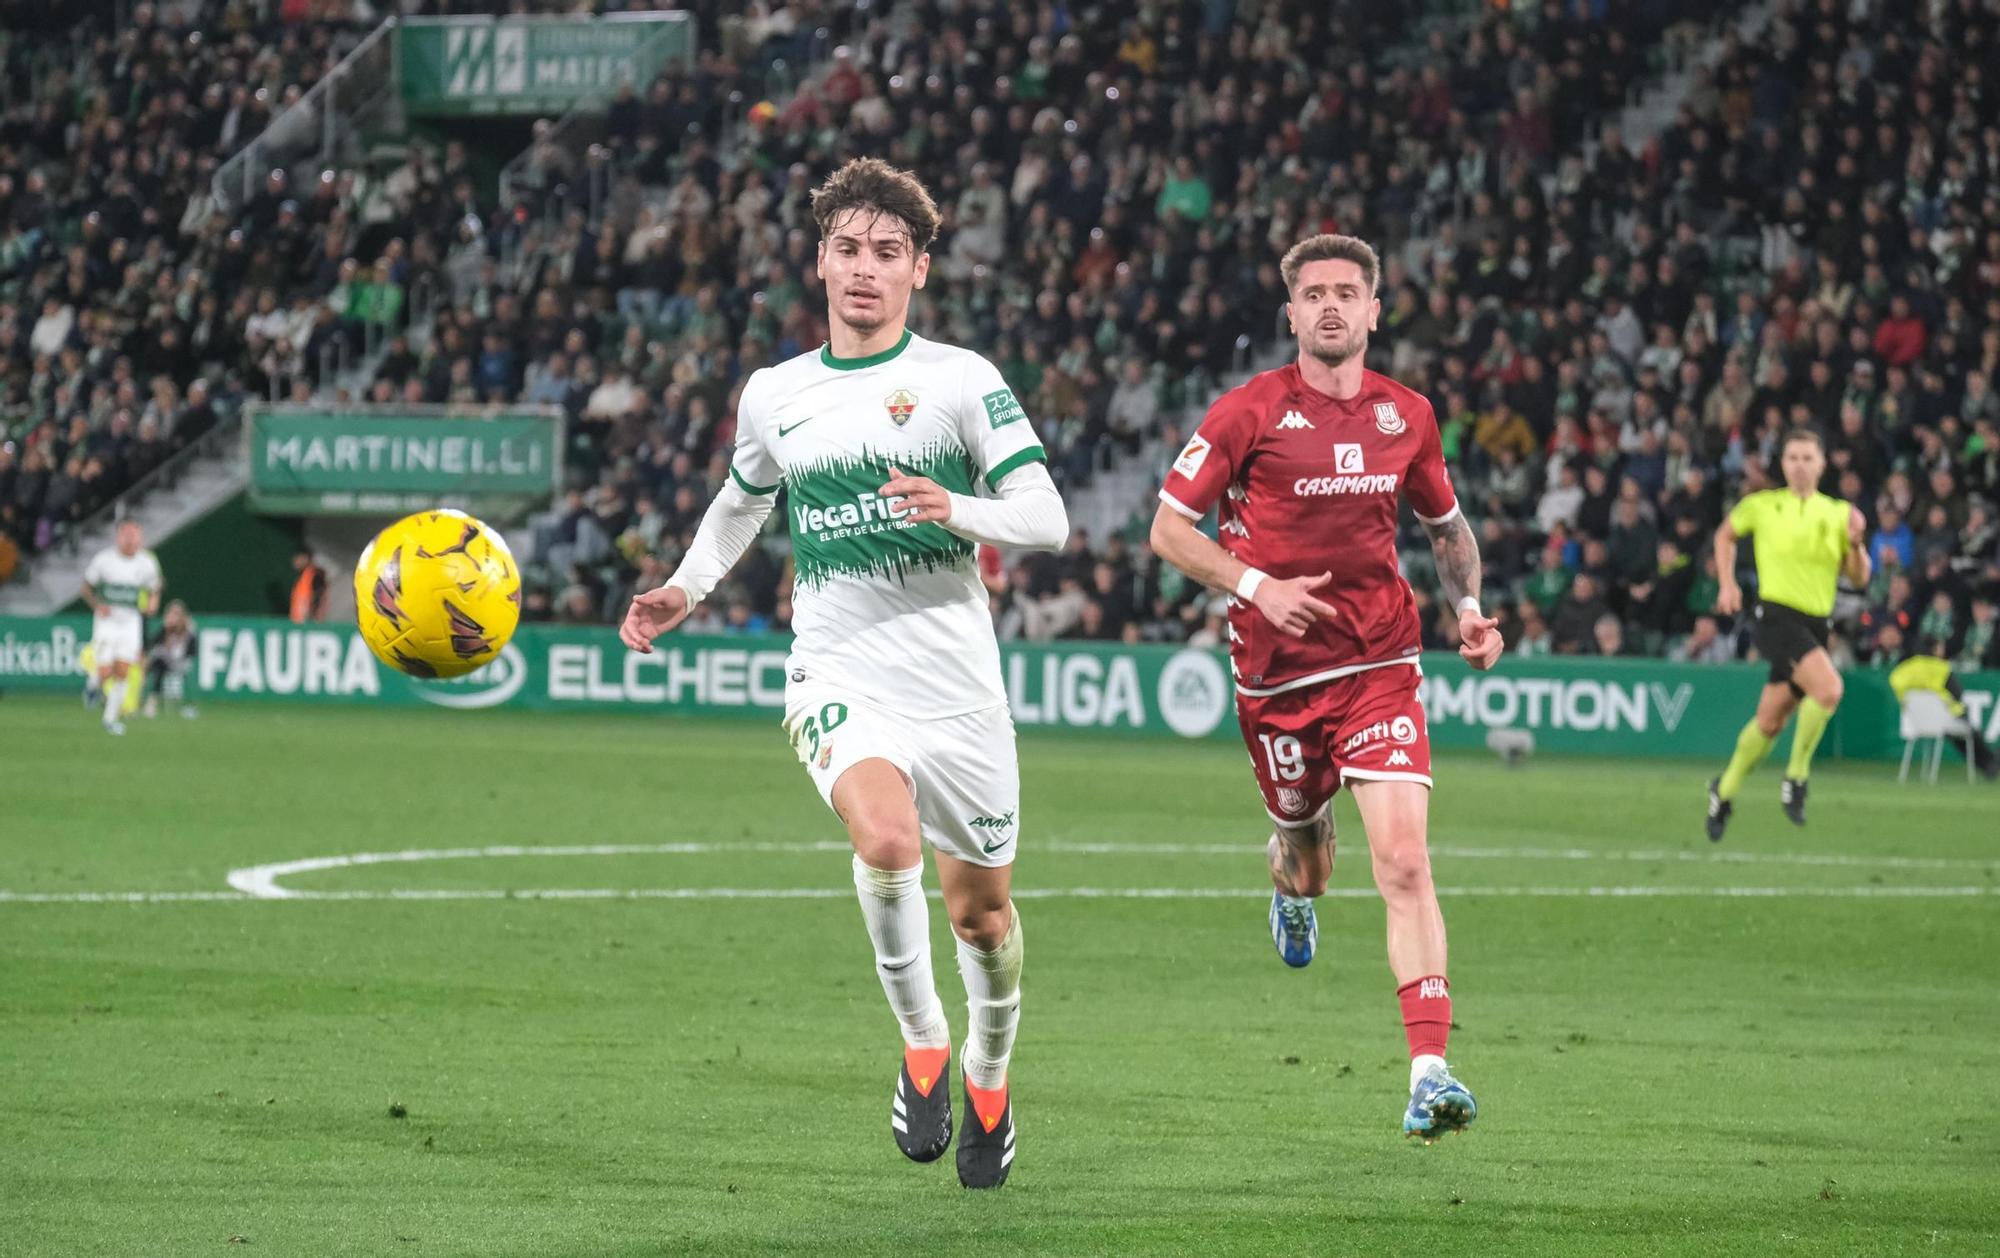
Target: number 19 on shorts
(1283,755)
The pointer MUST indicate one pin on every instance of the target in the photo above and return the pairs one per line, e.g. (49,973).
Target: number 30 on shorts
(1284,756)
(828,719)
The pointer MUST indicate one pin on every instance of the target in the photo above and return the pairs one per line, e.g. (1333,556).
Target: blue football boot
(1294,929)
(1439,1104)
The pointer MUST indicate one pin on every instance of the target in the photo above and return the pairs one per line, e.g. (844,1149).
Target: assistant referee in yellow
(1805,542)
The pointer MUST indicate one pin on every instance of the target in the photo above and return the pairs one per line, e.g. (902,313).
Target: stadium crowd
(1614,336)
(1115,199)
(135,307)
(120,294)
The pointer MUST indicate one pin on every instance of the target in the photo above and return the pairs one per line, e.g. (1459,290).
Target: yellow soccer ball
(437,594)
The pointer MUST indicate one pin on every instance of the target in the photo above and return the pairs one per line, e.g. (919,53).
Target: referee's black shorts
(1786,635)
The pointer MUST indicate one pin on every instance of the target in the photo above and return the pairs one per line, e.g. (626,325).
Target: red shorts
(1367,726)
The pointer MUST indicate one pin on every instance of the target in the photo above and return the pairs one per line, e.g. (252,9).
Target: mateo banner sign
(1582,706)
(472,66)
(309,461)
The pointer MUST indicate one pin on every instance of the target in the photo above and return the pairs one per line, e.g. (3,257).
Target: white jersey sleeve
(727,529)
(1027,514)
(93,572)
(753,467)
(996,430)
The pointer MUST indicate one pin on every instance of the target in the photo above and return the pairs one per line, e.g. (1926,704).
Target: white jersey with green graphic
(123,583)
(890,610)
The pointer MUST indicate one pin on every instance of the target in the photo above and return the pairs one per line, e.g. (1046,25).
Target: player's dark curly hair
(871,184)
(1331,248)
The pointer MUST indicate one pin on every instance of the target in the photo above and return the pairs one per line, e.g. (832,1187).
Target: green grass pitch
(427,1065)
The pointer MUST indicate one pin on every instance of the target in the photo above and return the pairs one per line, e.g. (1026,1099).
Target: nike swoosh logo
(784,431)
(994,846)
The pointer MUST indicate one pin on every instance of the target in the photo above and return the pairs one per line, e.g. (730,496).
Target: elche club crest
(902,404)
(1389,420)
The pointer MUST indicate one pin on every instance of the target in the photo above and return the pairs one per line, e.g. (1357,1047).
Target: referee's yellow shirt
(1800,545)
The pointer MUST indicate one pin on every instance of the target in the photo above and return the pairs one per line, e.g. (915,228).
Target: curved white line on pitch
(262,881)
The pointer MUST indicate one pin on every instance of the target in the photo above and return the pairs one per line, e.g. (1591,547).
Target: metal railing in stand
(319,122)
(217,440)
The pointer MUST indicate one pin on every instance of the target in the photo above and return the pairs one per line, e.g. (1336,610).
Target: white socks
(114,699)
(1421,1064)
(993,999)
(898,919)
(899,925)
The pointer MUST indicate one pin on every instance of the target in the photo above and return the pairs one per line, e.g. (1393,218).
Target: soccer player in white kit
(898,455)
(120,582)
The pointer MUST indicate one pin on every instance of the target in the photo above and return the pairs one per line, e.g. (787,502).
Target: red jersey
(1309,484)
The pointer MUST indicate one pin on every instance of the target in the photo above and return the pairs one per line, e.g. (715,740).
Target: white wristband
(1468,604)
(1246,586)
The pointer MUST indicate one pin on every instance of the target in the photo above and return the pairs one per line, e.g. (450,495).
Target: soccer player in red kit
(1305,466)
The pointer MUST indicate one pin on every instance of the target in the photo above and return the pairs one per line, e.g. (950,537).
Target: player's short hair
(1328,247)
(1804,433)
(869,183)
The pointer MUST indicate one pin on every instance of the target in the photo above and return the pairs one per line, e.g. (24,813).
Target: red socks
(1426,1014)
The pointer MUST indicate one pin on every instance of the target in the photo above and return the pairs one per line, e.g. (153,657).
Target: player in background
(169,650)
(898,455)
(1305,466)
(1805,542)
(120,583)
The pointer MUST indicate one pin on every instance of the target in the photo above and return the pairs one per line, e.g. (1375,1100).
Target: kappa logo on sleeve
(1002,407)
(1193,457)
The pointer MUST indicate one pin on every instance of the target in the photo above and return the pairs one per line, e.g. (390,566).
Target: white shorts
(115,644)
(961,769)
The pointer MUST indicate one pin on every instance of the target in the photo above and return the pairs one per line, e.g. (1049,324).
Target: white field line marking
(1644,856)
(261,881)
(1020,893)
(121,897)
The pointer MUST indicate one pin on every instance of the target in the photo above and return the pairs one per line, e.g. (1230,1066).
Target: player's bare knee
(1830,694)
(1403,870)
(982,925)
(883,839)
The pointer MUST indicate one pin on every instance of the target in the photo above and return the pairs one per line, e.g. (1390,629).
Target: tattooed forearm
(1457,552)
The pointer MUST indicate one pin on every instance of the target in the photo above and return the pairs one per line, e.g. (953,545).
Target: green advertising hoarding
(376,461)
(1576,705)
(481,66)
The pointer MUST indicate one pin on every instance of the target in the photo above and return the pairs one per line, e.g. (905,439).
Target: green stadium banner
(473,67)
(42,652)
(378,461)
(1581,706)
